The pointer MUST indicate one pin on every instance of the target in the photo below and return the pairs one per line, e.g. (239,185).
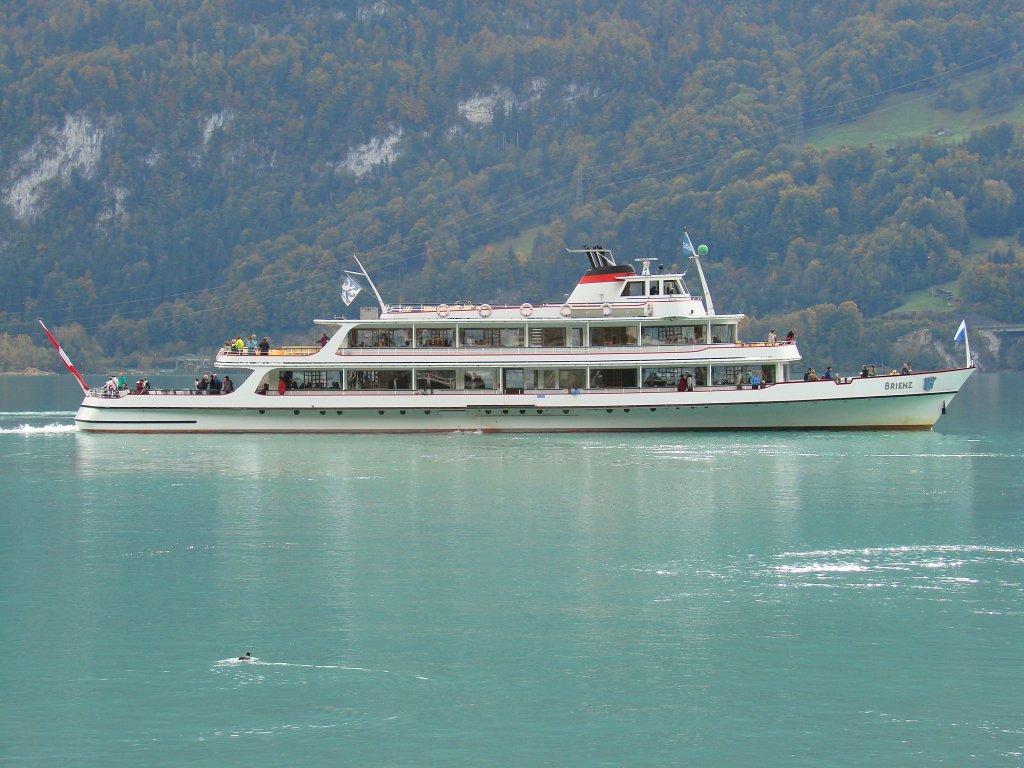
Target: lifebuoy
(649,308)
(526,310)
(442,310)
(566,310)
(484,310)
(606,309)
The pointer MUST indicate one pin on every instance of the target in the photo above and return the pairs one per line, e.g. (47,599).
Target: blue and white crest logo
(349,290)
(929,382)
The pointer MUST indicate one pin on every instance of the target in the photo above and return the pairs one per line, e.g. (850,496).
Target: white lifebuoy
(606,309)
(526,310)
(566,310)
(484,310)
(649,309)
(442,310)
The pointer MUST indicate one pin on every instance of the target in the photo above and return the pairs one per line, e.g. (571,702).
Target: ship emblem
(929,382)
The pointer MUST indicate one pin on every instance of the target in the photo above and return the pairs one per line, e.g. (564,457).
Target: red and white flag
(67,362)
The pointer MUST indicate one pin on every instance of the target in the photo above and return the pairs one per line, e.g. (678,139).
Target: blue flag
(961,332)
(349,290)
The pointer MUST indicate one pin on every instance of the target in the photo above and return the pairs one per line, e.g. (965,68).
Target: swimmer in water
(247,657)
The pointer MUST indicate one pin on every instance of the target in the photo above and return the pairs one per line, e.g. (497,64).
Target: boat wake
(256,662)
(45,429)
(929,566)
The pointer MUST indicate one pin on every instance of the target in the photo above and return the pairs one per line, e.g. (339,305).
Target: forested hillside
(175,172)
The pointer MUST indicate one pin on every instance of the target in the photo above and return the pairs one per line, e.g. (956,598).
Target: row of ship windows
(573,336)
(523,379)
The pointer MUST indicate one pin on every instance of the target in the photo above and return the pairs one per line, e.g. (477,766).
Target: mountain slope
(177,172)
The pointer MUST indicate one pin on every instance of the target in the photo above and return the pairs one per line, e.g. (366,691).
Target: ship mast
(373,287)
(709,305)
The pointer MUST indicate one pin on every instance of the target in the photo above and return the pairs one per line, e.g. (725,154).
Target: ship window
(378,380)
(613,378)
(547,337)
(655,287)
(315,380)
(656,335)
(740,374)
(478,378)
(633,288)
(513,381)
(723,334)
(668,376)
(554,378)
(481,337)
(512,337)
(613,336)
(672,288)
(435,337)
(435,379)
(381,337)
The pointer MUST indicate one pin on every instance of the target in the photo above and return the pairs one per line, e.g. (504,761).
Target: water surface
(710,599)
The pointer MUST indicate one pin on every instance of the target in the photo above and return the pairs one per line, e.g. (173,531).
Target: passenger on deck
(264,346)
(906,369)
(864,372)
(238,345)
(251,344)
(324,340)
(215,385)
(871,371)
(204,384)
(265,389)
(282,386)
(772,338)
(755,380)
(791,336)
(827,376)
(229,386)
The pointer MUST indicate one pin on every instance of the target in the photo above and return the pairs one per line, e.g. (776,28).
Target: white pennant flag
(349,290)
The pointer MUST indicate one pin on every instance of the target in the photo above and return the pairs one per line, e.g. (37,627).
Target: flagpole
(709,305)
(370,281)
(67,361)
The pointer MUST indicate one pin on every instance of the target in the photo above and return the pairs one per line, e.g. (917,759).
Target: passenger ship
(630,349)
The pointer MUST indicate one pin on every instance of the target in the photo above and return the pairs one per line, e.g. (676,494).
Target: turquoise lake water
(749,599)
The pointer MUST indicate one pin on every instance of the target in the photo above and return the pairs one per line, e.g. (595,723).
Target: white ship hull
(914,401)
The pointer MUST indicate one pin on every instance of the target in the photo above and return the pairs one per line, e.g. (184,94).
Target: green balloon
(702,250)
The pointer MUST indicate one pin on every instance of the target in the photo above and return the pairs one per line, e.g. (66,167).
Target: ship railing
(296,351)
(109,395)
(443,351)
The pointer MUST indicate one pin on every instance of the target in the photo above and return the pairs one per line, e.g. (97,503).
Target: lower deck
(909,402)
